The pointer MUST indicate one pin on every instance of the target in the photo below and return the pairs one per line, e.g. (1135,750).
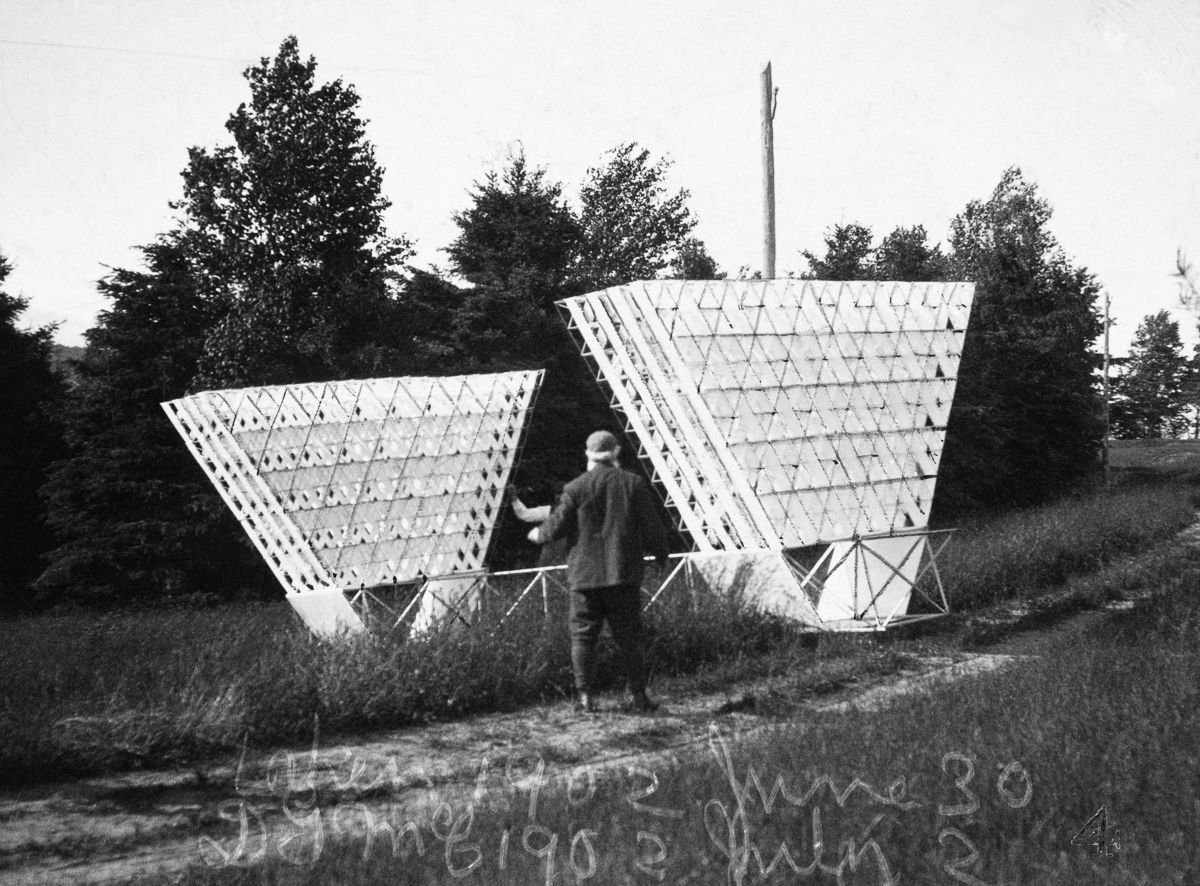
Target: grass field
(82,693)
(989,780)
(1021,555)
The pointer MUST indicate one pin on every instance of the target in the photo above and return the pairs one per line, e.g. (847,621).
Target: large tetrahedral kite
(357,484)
(794,429)
(785,414)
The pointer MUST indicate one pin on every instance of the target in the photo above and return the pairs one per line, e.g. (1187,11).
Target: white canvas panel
(327,612)
(874,582)
(763,579)
(447,601)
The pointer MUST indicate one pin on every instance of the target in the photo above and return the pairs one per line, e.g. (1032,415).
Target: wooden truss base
(864,583)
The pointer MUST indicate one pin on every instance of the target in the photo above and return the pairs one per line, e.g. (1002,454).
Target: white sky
(890,113)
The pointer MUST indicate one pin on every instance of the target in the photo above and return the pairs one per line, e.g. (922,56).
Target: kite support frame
(459,606)
(927,544)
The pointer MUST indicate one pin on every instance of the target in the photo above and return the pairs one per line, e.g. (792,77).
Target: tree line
(279,269)
(1155,391)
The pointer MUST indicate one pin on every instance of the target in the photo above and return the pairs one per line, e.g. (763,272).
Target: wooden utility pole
(1104,451)
(768,155)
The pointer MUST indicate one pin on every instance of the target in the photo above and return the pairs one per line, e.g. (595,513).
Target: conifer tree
(1151,396)
(517,245)
(135,516)
(30,392)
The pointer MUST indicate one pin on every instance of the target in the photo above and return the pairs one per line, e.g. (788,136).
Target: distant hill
(1176,461)
(60,357)
(61,353)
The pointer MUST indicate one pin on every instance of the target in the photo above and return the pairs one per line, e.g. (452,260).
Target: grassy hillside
(83,692)
(988,780)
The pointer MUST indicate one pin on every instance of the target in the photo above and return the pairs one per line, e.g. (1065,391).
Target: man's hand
(535,535)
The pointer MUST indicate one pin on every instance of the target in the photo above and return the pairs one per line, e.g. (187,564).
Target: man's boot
(640,703)
(584,704)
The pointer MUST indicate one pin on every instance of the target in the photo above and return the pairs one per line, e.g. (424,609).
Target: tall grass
(1021,555)
(81,693)
(1007,767)
(85,691)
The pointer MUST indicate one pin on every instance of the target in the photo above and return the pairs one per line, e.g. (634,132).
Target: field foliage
(987,780)
(1021,555)
(83,692)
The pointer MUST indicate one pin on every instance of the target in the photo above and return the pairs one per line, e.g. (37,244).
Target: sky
(889,113)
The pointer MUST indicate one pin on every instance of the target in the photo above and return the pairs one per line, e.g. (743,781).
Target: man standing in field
(609,517)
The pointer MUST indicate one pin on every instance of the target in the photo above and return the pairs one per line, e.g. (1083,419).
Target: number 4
(1093,832)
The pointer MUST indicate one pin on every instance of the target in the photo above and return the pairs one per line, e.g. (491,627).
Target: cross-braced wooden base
(863,583)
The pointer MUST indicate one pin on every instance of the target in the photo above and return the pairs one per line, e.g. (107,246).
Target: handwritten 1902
(736,826)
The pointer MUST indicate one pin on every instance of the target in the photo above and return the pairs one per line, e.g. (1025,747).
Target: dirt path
(106,830)
(118,828)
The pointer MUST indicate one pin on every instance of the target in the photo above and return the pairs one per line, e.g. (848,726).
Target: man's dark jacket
(610,519)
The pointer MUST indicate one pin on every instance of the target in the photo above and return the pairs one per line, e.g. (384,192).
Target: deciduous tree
(693,262)
(633,228)
(521,247)
(285,231)
(905,254)
(517,247)
(279,271)
(1026,421)
(848,255)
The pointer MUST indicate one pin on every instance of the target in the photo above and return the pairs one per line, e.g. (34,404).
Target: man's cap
(602,443)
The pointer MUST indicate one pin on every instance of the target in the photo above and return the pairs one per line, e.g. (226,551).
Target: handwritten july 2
(737,828)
